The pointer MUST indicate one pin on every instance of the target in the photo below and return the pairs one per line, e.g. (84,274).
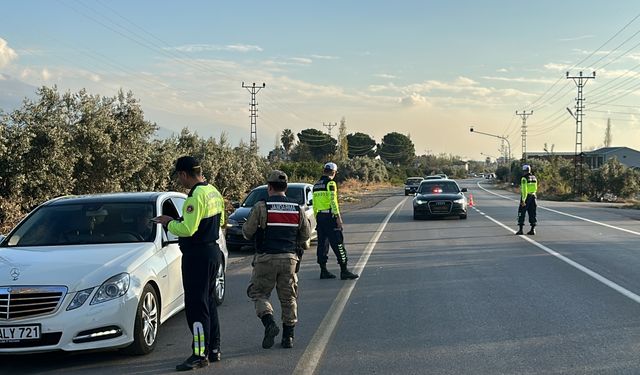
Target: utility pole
(330,126)
(253,113)
(524,116)
(580,81)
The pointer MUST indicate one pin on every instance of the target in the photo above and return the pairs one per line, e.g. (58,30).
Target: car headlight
(421,201)
(113,288)
(231,222)
(79,299)
(460,201)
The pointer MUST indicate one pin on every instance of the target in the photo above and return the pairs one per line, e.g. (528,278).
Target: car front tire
(463,216)
(145,332)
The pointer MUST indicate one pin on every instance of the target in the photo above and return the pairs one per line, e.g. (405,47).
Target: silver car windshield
(94,223)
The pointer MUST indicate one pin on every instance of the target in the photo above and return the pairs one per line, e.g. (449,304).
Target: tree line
(77,143)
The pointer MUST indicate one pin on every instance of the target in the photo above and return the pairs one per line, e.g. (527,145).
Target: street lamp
(495,136)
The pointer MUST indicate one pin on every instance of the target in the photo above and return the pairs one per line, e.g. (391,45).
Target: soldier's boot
(520,232)
(271,330)
(345,274)
(532,232)
(324,273)
(287,336)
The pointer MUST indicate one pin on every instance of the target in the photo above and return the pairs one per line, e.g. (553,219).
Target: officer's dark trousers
(529,207)
(329,235)
(199,271)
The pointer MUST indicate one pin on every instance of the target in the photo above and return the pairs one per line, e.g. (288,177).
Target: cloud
(301,60)
(385,76)
(572,39)
(6,53)
(519,79)
(502,70)
(414,100)
(324,57)
(213,47)
(557,67)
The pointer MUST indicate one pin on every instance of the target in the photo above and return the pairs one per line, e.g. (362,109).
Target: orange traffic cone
(470,200)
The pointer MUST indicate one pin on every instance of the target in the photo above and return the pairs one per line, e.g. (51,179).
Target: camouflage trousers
(279,271)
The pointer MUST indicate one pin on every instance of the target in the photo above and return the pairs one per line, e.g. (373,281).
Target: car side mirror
(168,238)
(464,190)
(235,204)
(310,202)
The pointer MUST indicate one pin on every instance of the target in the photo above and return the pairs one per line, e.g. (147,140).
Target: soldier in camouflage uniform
(280,230)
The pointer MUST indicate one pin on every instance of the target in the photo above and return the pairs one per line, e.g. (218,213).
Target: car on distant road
(411,185)
(301,193)
(439,198)
(93,272)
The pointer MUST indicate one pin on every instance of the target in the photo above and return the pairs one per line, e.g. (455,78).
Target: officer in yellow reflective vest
(198,231)
(329,224)
(528,190)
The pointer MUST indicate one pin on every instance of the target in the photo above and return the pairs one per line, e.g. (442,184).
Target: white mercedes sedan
(91,272)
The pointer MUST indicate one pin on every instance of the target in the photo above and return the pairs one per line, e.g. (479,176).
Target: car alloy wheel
(220,284)
(149,319)
(145,330)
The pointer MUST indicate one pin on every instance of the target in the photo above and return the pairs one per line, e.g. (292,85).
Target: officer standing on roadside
(280,230)
(528,189)
(198,231)
(329,223)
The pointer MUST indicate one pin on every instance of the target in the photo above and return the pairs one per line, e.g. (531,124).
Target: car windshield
(260,194)
(439,186)
(94,223)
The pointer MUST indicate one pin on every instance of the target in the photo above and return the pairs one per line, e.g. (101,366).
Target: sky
(428,69)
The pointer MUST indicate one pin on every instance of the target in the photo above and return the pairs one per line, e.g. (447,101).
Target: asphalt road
(434,297)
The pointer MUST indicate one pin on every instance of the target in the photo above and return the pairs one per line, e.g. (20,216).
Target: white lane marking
(565,214)
(311,357)
(595,275)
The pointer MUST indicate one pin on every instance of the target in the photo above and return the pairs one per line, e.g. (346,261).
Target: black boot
(324,273)
(271,330)
(214,355)
(532,232)
(520,232)
(345,274)
(193,362)
(287,336)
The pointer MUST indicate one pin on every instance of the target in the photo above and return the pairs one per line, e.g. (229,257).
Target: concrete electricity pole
(524,116)
(580,81)
(253,111)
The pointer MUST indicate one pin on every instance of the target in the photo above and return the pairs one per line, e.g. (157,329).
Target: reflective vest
(202,217)
(325,196)
(528,185)
(283,224)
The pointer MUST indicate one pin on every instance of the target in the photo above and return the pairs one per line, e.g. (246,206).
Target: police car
(90,272)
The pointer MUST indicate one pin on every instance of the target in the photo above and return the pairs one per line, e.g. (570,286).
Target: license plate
(19,333)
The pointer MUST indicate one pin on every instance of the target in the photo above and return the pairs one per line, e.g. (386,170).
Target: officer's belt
(324,211)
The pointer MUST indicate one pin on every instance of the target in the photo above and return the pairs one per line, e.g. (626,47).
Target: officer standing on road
(198,231)
(329,223)
(528,189)
(280,230)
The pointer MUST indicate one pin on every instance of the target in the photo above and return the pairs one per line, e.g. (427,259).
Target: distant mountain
(13,92)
